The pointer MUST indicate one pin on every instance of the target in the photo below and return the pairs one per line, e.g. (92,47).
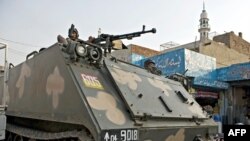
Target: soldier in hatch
(70,42)
(73,34)
(150,66)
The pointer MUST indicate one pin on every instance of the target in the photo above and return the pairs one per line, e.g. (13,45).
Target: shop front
(240,102)
(210,94)
(238,98)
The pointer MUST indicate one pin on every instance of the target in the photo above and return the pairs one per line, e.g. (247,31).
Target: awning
(204,94)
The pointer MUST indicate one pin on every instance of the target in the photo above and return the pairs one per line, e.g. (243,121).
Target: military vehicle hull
(52,97)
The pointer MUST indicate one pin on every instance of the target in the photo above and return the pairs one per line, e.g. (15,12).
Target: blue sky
(38,22)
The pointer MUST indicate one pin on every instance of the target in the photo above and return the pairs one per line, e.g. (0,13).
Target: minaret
(204,27)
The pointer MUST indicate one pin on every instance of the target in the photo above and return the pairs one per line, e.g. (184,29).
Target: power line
(20,43)
(18,51)
(15,56)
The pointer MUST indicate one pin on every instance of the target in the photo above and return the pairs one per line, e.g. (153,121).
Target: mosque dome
(204,14)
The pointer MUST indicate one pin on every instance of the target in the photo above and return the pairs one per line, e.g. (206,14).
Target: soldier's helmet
(71,30)
(147,62)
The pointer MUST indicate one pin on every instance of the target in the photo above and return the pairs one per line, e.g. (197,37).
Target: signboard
(199,65)
(234,72)
(169,62)
(179,60)
(203,94)
(136,57)
(199,81)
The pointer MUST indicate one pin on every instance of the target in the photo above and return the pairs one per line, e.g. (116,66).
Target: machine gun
(107,38)
(92,49)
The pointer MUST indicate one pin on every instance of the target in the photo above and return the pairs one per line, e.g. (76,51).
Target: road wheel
(18,138)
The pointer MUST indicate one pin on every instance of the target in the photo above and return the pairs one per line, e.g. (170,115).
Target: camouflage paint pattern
(113,97)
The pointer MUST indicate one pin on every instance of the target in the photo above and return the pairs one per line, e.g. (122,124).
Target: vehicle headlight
(81,50)
(95,54)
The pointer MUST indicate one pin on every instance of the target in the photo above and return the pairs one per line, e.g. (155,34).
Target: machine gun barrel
(126,36)
(132,35)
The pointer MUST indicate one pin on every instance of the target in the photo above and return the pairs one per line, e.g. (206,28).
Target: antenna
(99,32)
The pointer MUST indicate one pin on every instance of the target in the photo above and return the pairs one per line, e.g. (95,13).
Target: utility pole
(6,71)
(3,106)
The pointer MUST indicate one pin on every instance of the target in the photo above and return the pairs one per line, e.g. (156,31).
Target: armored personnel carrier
(76,90)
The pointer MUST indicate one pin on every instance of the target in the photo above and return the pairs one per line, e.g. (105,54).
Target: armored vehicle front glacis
(76,90)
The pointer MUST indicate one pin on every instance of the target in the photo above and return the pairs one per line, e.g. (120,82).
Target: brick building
(231,40)
(232,55)
(134,53)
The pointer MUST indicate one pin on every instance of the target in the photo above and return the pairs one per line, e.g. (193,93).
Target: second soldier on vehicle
(150,66)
